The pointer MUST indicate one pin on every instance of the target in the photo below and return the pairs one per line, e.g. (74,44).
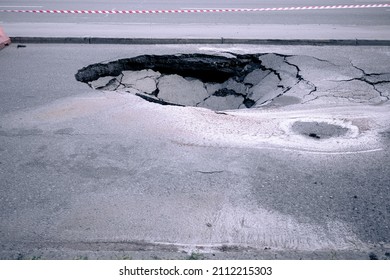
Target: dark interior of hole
(158,101)
(225,92)
(207,68)
(314,135)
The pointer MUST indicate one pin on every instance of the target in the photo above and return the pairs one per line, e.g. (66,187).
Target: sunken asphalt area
(194,151)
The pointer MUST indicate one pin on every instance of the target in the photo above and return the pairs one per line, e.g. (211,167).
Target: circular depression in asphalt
(217,82)
(318,130)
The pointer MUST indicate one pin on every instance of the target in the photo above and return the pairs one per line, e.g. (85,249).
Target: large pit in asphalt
(225,82)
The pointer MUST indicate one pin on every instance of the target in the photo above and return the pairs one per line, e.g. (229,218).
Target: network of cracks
(233,81)
(240,81)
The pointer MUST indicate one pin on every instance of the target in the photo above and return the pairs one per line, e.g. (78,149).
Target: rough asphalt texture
(104,174)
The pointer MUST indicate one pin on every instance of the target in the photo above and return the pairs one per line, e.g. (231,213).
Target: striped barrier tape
(198,10)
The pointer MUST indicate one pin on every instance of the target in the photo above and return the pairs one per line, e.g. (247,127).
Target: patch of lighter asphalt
(271,129)
(215,221)
(259,129)
(259,229)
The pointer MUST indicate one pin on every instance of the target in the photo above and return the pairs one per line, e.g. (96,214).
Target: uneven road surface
(103,173)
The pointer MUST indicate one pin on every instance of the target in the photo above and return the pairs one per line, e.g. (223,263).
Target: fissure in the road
(200,80)
(234,81)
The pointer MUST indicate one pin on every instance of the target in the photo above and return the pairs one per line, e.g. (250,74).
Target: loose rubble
(236,81)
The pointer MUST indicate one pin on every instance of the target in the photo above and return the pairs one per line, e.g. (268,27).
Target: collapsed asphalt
(106,174)
(221,82)
(227,81)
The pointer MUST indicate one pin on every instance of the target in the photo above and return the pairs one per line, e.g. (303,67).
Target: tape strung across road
(199,10)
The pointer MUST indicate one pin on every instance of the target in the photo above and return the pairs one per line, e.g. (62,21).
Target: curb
(153,41)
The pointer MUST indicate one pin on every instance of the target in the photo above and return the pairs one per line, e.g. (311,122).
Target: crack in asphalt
(300,77)
(210,172)
(225,82)
(365,78)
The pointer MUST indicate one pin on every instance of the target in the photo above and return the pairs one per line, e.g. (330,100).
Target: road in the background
(352,23)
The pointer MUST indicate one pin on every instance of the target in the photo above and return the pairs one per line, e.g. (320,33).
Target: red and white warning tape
(198,10)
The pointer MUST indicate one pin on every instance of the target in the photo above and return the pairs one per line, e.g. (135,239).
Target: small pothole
(216,82)
(319,130)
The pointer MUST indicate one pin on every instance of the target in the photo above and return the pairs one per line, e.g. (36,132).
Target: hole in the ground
(314,135)
(319,130)
(200,80)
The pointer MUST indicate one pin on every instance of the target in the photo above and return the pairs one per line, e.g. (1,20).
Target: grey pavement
(106,174)
(347,17)
(249,32)
(338,24)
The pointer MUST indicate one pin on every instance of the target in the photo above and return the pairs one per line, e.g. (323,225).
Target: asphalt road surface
(367,16)
(267,23)
(103,174)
